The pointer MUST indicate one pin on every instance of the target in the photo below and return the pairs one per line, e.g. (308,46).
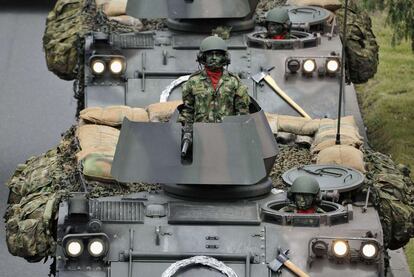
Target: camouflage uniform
(203,103)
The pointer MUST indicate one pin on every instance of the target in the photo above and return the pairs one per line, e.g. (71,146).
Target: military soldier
(213,93)
(278,23)
(305,194)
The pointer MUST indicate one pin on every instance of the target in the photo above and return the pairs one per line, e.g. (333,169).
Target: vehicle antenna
(342,82)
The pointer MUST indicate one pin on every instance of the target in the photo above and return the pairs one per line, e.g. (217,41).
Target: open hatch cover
(330,177)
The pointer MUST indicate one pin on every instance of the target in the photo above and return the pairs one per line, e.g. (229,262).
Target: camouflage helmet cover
(305,184)
(278,15)
(213,43)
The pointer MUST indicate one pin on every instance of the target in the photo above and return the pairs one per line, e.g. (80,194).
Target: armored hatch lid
(307,15)
(330,177)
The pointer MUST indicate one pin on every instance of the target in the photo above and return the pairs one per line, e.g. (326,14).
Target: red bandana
(308,211)
(214,76)
(282,36)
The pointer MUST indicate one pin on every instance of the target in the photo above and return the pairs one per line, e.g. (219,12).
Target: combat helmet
(306,185)
(278,15)
(212,43)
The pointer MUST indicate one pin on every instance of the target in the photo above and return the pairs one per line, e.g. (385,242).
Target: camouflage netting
(362,48)
(66,26)
(393,196)
(36,189)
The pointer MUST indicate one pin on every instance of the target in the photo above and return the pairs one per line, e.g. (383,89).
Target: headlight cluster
(113,64)
(96,245)
(328,66)
(352,249)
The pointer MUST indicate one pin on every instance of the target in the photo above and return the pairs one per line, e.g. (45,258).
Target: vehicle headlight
(320,248)
(96,247)
(309,66)
(116,66)
(98,66)
(340,248)
(369,250)
(74,247)
(332,65)
(293,65)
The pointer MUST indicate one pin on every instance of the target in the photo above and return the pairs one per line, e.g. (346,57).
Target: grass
(387,103)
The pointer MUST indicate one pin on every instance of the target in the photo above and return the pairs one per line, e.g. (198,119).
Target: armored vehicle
(212,201)
(217,212)
(155,63)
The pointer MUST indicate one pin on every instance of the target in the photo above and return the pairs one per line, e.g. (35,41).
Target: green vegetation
(387,102)
(400,17)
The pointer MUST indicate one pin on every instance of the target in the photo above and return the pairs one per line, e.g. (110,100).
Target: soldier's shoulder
(196,75)
(234,78)
(194,78)
(234,75)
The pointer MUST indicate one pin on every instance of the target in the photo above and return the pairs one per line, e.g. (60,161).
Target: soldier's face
(275,28)
(304,201)
(215,59)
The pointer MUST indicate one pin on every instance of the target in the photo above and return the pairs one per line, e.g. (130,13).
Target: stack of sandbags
(98,137)
(98,133)
(326,134)
(348,153)
(113,115)
(331,5)
(116,10)
(98,144)
(161,112)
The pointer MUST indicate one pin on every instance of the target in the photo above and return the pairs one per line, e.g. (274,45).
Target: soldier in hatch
(305,195)
(213,93)
(278,24)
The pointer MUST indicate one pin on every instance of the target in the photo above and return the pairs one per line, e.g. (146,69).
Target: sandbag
(331,5)
(297,125)
(343,155)
(98,166)
(161,112)
(29,224)
(272,120)
(104,149)
(292,124)
(331,141)
(97,162)
(128,20)
(90,136)
(113,115)
(362,48)
(112,7)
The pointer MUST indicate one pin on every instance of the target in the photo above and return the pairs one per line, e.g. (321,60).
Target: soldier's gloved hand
(186,139)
